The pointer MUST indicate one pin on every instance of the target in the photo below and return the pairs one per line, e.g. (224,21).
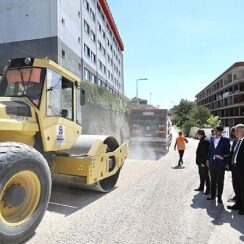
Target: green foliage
(101,97)
(186,127)
(186,115)
(181,112)
(200,116)
(212,121)
(103,113)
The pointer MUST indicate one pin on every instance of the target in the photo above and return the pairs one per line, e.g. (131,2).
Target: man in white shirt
(237,165)
(218,154)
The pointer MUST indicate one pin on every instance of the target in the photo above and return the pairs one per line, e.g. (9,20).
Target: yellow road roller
(41,141)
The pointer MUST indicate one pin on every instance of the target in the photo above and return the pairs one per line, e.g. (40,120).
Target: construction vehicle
(150,132)
(41,141)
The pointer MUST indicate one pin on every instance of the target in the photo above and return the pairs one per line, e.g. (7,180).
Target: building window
(78,39)
(99,8)
(92,14)
(103,18)
(87,51)
(100,82)
(86,74)
(79,66)
(104,69)
(100,64)
(107,41)
(79,14)
(99,27)
(93,36)
(103,51)
(86,4)
(93,57)
(63,21)
(103,34)
(86,27)
(92,78)
(63,54)
(99,45)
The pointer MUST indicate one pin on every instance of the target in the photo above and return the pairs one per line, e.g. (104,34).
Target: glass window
(99,45)
(63,54)
(86,4)
(99,27)
(100,64)
(86,74)
(67,99)
(92,14)
(87,51)
(24,82)
(78,108)
(103,51)
(54,94)
(86,27)
(93,57)
(93,36)
(93,78)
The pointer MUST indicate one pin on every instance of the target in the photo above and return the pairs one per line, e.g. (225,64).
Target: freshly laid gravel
(153,202)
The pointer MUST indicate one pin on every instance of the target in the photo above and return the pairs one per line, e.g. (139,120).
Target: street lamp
(137,85)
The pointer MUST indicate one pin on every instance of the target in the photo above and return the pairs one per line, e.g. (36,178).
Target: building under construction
(225,96)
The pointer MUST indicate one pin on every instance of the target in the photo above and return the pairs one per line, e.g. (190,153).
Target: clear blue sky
(180,46)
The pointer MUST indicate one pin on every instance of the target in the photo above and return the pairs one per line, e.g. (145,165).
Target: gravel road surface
(153,202)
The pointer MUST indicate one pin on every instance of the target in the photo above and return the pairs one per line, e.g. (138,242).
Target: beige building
(225,96)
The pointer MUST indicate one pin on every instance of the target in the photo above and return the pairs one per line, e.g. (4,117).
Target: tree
(212,121)
(200,116)
(181,112)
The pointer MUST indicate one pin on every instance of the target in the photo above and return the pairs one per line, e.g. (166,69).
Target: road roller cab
(40,137)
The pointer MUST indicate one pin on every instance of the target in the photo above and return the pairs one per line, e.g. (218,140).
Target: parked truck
(150,132)
(41,140)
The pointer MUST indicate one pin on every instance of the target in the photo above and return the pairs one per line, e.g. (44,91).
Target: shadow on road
(67,200)
(219,214)
(178,167)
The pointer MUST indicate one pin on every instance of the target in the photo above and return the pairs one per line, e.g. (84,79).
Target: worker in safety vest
(181,146)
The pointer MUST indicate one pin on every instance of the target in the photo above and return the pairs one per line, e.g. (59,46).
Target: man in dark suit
(201,158)
(218,155)
(237,167)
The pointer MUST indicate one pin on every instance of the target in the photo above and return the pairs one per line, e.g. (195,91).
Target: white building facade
(80,35)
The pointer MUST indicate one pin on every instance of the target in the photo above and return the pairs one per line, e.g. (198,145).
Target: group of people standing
(217,155)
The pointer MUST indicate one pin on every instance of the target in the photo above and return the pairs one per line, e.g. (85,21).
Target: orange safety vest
(181,143)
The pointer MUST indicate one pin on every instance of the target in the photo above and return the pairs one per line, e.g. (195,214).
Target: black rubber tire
(109,183)
(16,157)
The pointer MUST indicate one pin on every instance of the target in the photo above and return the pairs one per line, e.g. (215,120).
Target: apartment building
(81,35)
(225,95)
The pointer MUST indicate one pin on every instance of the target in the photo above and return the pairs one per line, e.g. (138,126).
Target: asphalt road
(153,202)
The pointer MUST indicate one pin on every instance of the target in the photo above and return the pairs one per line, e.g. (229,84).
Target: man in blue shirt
(218,155)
